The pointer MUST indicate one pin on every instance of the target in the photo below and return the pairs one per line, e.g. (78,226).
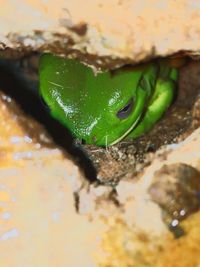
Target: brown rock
(176,188)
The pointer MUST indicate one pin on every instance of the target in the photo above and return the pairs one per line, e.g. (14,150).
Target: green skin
(105,108)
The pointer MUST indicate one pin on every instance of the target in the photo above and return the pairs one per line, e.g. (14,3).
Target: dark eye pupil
(126,110)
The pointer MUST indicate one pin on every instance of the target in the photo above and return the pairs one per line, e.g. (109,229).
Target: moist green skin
(88,104)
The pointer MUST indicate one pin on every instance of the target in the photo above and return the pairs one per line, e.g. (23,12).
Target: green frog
(106,107)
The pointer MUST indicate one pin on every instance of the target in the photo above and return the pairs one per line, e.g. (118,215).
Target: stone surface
(39,225)
(50,215)
(116,31)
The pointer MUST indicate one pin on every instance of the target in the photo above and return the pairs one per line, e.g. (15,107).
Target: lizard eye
(124,112)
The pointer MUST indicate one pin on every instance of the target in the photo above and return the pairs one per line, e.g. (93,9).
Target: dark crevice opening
(24,91)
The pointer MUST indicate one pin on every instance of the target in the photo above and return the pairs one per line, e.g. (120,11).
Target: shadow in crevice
(24,91)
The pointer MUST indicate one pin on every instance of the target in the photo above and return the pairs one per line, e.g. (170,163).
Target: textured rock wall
(127,31)
(39,220)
